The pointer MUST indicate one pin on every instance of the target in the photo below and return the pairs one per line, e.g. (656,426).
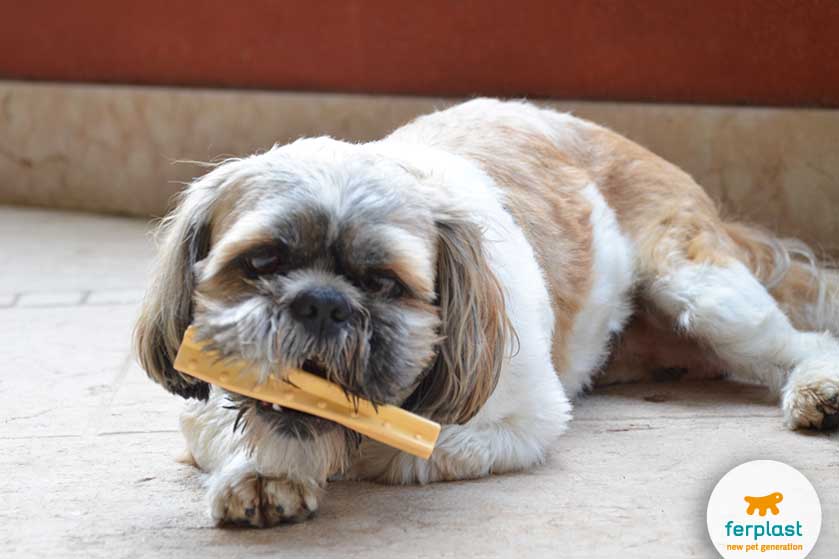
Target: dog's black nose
(322,310)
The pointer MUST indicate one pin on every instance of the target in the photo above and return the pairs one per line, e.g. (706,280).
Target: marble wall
(117,149)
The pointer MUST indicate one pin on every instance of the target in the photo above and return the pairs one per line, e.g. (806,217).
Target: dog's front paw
(288,501)
(254,501)
(811,396)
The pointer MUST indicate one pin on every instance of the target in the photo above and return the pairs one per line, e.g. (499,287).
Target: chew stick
(311,394)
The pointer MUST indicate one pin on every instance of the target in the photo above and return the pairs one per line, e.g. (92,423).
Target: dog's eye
(383,284)
(262,263)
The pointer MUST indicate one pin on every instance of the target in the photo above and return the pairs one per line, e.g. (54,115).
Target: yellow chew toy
(314,395)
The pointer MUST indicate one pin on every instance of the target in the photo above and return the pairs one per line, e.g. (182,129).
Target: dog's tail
(806,287)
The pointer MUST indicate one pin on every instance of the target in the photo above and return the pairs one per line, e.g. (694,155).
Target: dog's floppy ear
(167,308)
(475,329)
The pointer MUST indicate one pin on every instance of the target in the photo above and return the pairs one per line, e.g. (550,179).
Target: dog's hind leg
(708,290)
(744,294)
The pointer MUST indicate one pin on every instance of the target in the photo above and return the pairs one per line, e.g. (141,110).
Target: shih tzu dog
(480,266)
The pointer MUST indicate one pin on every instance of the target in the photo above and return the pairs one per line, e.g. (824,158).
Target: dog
(481,266)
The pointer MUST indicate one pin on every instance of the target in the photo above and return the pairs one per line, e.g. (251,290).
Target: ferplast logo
(764,508)
(765,503)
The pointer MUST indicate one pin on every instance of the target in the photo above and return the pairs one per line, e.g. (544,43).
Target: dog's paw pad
(812,403)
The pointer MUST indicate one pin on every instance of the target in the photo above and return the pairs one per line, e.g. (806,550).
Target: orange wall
(780,52)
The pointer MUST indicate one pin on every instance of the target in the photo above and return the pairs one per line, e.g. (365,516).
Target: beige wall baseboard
(113,149)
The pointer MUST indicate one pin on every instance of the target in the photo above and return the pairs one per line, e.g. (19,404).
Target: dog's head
(321,256)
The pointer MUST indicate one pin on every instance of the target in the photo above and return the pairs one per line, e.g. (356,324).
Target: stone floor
(88,444)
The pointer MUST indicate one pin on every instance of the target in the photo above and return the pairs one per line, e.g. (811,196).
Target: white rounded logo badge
(764,509)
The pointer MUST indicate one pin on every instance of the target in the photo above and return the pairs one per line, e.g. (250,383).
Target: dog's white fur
(707,291)
(608,304)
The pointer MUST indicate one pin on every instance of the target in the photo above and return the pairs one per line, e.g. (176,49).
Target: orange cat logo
(769,502)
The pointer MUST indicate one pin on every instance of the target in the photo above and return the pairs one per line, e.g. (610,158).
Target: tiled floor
(88,444)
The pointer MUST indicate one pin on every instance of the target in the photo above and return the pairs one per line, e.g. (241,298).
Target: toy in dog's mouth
(307,402)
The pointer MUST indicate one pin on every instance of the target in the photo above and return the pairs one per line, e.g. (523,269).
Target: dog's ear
(475,328)
(167,308)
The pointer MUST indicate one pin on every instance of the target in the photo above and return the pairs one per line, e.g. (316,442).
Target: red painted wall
(779,52)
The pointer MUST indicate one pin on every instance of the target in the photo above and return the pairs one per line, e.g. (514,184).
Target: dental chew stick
(311,394)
